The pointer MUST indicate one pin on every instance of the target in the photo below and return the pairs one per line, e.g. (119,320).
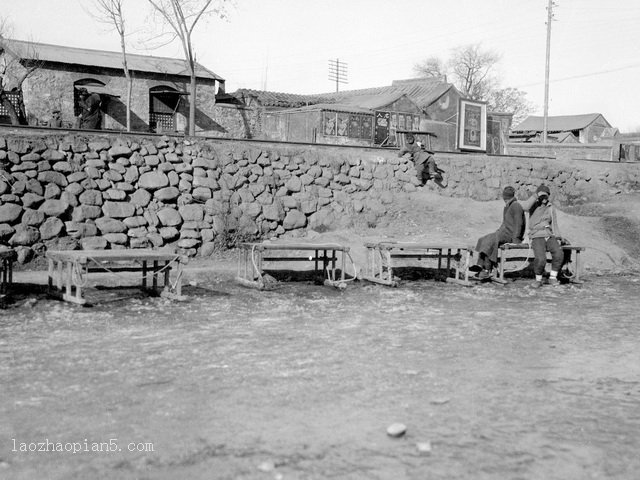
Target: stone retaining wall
(135,191)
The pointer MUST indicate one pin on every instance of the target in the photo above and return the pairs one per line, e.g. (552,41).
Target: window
(15,97)
(163,105)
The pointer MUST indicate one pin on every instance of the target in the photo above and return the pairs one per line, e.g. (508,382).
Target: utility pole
(338,72)
(545,118)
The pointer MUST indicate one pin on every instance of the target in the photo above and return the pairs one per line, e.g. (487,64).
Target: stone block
(24,235)
(86,212)
(31,200)
(167,194)
(93,243)
(110,225)
(54,208)
(192,212)
(169,217)
(153,180)
(52,227)
(118,209)
(294,219)
(50,176)
(91,197)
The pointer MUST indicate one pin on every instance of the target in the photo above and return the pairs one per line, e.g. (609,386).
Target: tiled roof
(563,123)
(102,58)
(422,91)
(336,107)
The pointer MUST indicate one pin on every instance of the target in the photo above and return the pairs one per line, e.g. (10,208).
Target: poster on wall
(382,127)
(329,123)
(472,125)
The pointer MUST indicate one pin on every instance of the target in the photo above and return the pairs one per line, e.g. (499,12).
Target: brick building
(160,98)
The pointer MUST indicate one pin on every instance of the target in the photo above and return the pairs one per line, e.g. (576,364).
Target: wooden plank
(296,246)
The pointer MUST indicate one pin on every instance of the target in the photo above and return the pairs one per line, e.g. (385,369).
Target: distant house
(587,128)
(160,91)
(375,116)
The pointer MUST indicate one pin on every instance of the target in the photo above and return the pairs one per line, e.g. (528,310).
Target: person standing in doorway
(91,116)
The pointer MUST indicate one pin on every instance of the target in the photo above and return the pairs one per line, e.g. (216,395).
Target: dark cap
(55,111)
(508,192)
(543,190)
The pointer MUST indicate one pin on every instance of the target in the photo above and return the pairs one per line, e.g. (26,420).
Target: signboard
(382,127)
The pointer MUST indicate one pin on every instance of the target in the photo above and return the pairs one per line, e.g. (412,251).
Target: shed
(586,128)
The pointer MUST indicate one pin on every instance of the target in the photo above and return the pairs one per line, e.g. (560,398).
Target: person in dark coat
(411,147)
(511,231)
(91,117)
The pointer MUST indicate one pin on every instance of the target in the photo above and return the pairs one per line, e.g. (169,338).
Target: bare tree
(15,67)
(182,16)
(472,69)
(510,100)
(432,67)
(111,13)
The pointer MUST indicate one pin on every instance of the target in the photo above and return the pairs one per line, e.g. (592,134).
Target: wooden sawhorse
(504,258)
(7,257)
(382,258)
(329,258)
(70,269)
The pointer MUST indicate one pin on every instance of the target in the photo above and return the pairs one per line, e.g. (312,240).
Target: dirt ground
(302,382)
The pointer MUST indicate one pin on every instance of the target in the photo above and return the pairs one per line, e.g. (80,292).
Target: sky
(286,45)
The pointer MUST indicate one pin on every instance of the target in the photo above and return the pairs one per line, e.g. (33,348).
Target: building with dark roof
(374,115)
(587,128)
(159,100)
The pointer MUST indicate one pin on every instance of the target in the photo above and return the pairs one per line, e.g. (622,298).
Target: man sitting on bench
(511,231)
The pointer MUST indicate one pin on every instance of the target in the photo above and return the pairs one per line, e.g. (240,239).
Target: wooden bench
(383,257)
(329,260)
(504,258)
(7,257)
(69,270)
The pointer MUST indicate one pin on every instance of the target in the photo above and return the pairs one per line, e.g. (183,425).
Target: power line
(545,117)
(338,72)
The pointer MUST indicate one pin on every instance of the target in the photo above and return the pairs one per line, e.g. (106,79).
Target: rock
(141,198)
(396,430)
(24,254)
(54,208)
(118,209)
(153,180)
(10,212)
(117,238)
(91,197)
(6,231)
(294,219)
(33,218)
(110,225)
(424,447)
(192,212)
(167,194)
(84,212)
(93,243)
(169,217)
(53,177)
(51,228)
(25,236)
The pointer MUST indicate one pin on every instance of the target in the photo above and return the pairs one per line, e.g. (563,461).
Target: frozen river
(494,382)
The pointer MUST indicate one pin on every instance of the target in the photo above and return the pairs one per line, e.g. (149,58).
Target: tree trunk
(129,82)
(192,103)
